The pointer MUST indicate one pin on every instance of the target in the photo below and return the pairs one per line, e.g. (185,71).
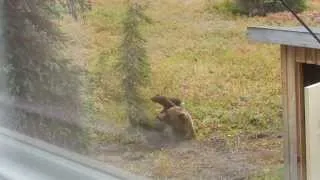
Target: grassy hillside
(196,54)
(199,52)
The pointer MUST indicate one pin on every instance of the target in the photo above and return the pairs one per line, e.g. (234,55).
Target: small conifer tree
(133,63)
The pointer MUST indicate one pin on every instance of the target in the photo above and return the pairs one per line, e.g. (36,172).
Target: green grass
(202,56)
(275,174)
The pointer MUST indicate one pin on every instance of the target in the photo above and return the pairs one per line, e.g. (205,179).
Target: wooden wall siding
(307,55)
(293,113)
(318,56)
(300,55)
(301,149)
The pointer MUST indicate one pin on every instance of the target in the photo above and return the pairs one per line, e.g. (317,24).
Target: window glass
(166,89)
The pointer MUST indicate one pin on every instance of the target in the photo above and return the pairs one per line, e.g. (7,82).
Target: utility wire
(300,20)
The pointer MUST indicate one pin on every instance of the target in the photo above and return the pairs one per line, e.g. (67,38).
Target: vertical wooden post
(293,114)
(289,112)
(284,115)
(301,141)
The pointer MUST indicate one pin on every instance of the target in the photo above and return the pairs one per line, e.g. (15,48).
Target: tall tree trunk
(72,9)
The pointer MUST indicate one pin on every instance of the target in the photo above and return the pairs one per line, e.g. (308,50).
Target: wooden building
(300,69)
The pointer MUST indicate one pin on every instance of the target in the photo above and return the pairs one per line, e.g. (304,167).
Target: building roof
(293,36)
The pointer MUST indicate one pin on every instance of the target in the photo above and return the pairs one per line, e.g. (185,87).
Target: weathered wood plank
(313,56)
(307,55)
(291,112)
(310,56)
(284,96)
(301,149)
(291,36)
(285,111)
(300,54)
(318,56)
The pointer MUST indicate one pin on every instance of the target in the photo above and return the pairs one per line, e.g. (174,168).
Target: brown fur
(180,121)
(166,102)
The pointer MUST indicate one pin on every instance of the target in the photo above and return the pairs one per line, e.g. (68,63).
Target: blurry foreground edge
(23,157)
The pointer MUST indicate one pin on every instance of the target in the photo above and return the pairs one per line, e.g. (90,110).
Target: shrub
(262,7)
(257,7)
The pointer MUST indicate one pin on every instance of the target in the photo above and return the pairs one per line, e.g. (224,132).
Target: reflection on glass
(161,89)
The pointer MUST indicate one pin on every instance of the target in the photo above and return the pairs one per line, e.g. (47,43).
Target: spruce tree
(133,63)
(37,72)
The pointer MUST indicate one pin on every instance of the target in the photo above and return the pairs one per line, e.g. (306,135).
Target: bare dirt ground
(150,154)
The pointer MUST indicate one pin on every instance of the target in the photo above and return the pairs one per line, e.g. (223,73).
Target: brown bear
(175,116)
